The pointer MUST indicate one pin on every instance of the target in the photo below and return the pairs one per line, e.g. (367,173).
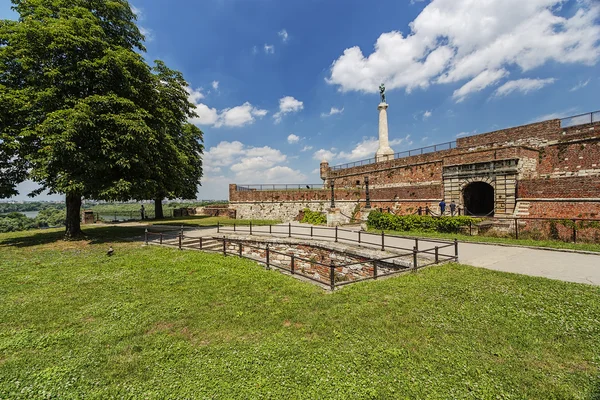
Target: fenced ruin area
(329,257)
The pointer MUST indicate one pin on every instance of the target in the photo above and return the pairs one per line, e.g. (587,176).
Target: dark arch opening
(479,198)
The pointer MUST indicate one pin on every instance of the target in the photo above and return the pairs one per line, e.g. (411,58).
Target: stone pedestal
(335,217)
(364,215)
(384,152)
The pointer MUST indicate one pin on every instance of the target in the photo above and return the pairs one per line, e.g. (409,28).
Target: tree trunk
(158,209)
(73,221)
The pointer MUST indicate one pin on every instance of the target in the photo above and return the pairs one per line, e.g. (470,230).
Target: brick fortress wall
(556,173)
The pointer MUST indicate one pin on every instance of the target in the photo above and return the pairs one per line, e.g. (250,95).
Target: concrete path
(565,266)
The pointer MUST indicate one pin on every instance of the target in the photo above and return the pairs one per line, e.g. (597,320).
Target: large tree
(76,96)
(178,154)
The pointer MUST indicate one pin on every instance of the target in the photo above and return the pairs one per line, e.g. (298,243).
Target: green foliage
(314,217)
(29,206)
(51,217)
(15,221)
(385,221)
(155,323)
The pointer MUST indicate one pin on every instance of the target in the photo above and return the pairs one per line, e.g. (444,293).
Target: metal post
(289,229)
(161,237)
(437,256)
(218,226)
(374,269)
(311,231)
(180,239)
(267,255)
(470,228)
(332,194)
(382,241)
(368,197)
(270,229)
(415,265)
(240,248)
(200,242)
(358,237)
(516,229)
(456,250)
(146,236)
(417,243)
(574,231)
(292,266)
(336,234)
(332,276)
(250,228)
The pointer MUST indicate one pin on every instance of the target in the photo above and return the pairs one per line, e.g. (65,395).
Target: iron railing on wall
(581,119)
(442,251)
(402,154)
(280,186)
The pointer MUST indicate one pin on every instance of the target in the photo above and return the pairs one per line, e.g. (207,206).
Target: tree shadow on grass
(93,235)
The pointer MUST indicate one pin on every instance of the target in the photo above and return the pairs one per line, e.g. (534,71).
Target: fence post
(516,228)
(224,247)
(218,226)
(382,241)
(289,229)
(292,266)
(456,249)
(200,242)
(161,237)
(331,276)
(180,239)
(359,237)
(267,255)
(415,265)
(311,231)
(336,233)
(417,243)
(146,236)
(270,229)
(250,228)
(470,226)
(374,269)
(240,248)
(574,231)
(437,257)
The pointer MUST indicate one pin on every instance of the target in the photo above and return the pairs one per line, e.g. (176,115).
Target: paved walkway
(565,266)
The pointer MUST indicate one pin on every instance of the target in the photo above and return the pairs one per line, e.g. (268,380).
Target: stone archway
(478,198)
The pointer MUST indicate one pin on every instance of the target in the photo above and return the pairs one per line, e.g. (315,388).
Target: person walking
(442,207)
(142,211)
(452,208)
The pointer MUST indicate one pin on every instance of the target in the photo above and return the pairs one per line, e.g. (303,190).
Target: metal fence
(280,186)
(331,274)
(402,154)
(580,119)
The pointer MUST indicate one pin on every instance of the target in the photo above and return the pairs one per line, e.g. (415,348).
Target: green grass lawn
(210,221)
(156,323)
(554,244)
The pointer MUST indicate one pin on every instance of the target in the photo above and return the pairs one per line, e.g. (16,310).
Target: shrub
(314,217)
(424,223)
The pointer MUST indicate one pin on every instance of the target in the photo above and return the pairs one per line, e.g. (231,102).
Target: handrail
(581,119)
(279,186)
(402,154)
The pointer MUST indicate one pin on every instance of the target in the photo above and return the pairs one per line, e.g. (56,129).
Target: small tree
(75,97)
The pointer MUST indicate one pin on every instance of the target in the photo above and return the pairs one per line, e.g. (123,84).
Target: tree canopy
(81,112)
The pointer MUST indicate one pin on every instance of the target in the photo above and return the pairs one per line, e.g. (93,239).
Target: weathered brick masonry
(538,169)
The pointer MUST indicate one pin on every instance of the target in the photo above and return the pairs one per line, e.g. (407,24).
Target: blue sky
(281,85)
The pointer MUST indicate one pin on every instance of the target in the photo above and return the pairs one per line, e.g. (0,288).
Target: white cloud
(426,115)
(477,84)
(139,13)
(283,35)
(322,154)
(287,105)
(148,33)
(368,147)
(194,95)
(254,50)
(206,115)
(333,111)
(269,48)
(293,138)
(306,148)
(580,85)
(522,85)
(215,85)
(458,40)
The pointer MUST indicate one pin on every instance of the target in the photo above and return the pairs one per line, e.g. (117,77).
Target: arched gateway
(478,198)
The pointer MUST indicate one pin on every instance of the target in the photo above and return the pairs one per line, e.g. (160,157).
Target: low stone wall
(222,211)
(287,211)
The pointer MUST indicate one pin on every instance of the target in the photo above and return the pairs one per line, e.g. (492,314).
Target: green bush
(314,217)
(51,217)
(425,223)
(15,222)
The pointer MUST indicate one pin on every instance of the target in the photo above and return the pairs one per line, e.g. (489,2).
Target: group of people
(443,207)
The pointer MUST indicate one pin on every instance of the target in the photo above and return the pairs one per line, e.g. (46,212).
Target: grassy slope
(554,244)
(154,322)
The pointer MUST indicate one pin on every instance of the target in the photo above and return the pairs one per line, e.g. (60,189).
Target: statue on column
(382,92)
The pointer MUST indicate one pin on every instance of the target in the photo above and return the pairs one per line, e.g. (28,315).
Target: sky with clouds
(279,86)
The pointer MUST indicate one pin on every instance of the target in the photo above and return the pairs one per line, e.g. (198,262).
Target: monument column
(384,152)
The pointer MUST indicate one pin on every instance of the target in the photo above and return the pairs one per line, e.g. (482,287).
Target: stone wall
(286,211)
(573,158)
(560,188)
(537,133)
